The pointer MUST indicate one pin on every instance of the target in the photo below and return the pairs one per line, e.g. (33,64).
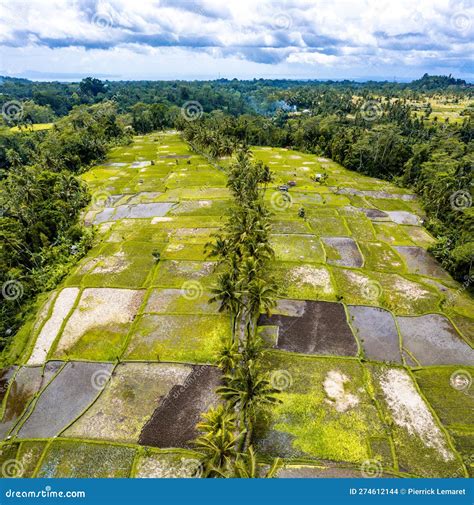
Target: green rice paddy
(138,301)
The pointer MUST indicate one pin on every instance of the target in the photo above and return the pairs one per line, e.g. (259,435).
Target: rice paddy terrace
(371,339)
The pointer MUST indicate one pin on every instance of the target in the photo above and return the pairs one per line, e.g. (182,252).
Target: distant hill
(5,79)
(430,82)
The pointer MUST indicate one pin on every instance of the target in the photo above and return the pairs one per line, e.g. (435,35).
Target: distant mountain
(4,78)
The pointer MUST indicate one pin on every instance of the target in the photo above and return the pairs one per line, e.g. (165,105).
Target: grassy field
(371,340)
(32,127)
(443,109)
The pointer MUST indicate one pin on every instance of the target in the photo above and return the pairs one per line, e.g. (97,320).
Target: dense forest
(385,130)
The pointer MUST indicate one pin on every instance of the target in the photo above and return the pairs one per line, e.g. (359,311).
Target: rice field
(371,340)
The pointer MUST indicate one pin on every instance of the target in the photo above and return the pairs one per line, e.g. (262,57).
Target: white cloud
(288,37)
(312,58)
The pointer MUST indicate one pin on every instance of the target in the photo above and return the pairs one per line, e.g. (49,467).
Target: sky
(245,39)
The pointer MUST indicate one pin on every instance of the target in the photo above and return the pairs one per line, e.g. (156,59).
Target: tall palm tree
(261,251)
(227,294)
(218,248)
(218,441)
(248,390)
(229,356)
(215,147)
(254,349)
(249,270)
(265,176)
(227,147)
(260,298)
(216,419)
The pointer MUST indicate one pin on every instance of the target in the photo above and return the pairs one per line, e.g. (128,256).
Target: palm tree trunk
(243,426)
(234,322)
(240,425)
(253,325)
(242,326)
(248,435)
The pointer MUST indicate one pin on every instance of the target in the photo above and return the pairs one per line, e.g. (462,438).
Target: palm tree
(218,441)
(218,248)
(266,176)
(246,466)
(216,419)
(227,147)
(249,269)
(248,390)
(229,356)
(215,147)
(261,251)
(260,298)
(244,291)
(229,297)
(254,349)
(244,149)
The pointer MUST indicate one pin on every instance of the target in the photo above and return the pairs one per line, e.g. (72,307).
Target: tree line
(46,101)
(244,290)
(434,160)
(41,199)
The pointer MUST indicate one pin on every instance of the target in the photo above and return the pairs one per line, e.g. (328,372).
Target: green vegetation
(317,424)
(106,460)
(435,161)
(245,216)
(41,200)
(244,290)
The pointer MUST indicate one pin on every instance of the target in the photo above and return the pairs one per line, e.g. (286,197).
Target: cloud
(350,33)
(313,58)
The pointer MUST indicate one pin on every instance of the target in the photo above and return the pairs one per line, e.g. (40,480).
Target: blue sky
(207,39)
